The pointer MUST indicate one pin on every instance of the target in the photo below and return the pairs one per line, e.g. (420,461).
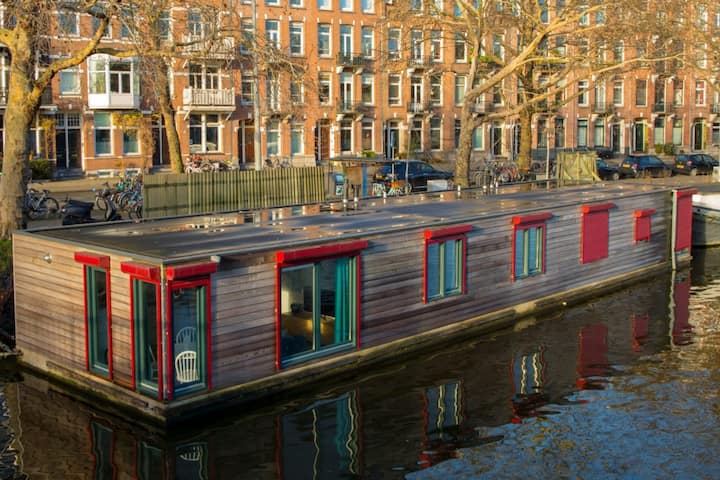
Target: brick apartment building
(349,101)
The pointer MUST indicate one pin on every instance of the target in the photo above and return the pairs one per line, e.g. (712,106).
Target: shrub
(659,148)
(5,258)
(41,169)
(669,149)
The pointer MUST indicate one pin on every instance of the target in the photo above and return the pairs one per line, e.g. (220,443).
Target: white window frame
(205,125)
(700,93)
(395,80)
(297,38)
(367,42)
(324,33)
(272,32)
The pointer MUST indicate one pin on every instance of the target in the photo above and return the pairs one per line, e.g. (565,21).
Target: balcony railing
(350,60)
(715,108)
(603,108)
(482,106)
(113,100)
(418,107)
(418,62)
(209,47)
(209,97)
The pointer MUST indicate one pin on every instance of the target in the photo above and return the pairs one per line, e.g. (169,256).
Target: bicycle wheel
(49,207)
(101,203)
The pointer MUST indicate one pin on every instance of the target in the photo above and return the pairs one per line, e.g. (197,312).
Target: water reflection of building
(404,417)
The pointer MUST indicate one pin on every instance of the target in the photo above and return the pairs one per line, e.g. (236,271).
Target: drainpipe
(673,232)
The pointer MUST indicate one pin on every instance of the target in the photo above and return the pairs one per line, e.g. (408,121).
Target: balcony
(603,108)
(120,101)
(481,107)
(209,99)
(348,62)
(416,63)
(715,108)
(662,107)
(203,47)
(418,108)
(350,109)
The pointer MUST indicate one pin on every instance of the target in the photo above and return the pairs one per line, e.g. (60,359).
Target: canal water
(624,386)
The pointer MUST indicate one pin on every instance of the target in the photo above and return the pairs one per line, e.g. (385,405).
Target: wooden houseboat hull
(281,298)
(706,220)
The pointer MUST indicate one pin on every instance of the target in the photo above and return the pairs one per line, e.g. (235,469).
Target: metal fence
(201,193)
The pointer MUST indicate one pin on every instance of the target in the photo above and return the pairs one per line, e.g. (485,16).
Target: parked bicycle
(125,196)
(197,164)
(39,204)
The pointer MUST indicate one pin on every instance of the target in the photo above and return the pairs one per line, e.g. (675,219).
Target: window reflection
(102,450)
(188,323)
(321,441)
(191,461)
(528,376)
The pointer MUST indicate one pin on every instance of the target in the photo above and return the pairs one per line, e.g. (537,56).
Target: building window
(394,43)
(460,48)
(619,52)
(659,131)
(367,89)
(272,33)
(70,81)
(677,131)
(112,76)
(416,44)
(368,6)
(582,132)
(583,93)
(595,232)
(318,296)
(367,135)
(95,25)
(69,24)
(478,139)
(324,91)
(618,93)
(640,92)
(296,3)
(700,88)
(435,46)
(435,133)
(324,4)
(346,5)
(559,133)
(323,40)
(247,89)
(367,42)
(542,132)
(458,128)
(297,138)
(394,89)
(296,38)
(498,48)
(436,89)
(204,76)
(98,320)
(103,133)
(297,91)
(528,245)
(247,35)
(445,253)
(460,81)
(131,145)
(716,133)
(416,135)
(346,142)
(273,138)
(599,133)
(642,224)
(163,26)
(190,314)
(678,92)
(204,133)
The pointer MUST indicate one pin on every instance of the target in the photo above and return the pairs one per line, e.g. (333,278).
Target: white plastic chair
(186,367)
(186,336)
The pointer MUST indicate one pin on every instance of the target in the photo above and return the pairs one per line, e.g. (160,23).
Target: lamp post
(256,96)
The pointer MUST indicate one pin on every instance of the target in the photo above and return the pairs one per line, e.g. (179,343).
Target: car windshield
(651,161)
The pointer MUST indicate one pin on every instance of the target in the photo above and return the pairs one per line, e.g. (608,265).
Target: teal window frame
(148,362)
(445,260)
(318,302)
(528,245)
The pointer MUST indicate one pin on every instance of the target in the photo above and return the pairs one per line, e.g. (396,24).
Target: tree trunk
(168,114)
(464,150)
(22,104)
(524,155)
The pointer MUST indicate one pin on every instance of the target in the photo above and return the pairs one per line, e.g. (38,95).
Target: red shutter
(595,232)
(683,224)
(642,224)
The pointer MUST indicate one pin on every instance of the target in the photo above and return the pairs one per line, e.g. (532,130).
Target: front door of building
(246,142)
(615,138)
(322,141)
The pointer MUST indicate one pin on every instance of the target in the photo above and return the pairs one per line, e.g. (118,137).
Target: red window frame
(595,232)
(457,232)
(643,224)
(189,276)
(98,261)
(683,216)
(525,222)
(150,274)
(287,258)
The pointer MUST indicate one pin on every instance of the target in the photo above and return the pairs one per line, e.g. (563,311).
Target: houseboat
(706,219)
(175,317)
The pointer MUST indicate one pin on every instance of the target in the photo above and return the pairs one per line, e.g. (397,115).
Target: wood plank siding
(50,297)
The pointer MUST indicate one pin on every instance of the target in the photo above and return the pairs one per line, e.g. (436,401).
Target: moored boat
(706,220)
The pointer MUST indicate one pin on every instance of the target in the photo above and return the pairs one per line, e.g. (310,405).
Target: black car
(605,171)
(694,164)
(636,166)
(418,173)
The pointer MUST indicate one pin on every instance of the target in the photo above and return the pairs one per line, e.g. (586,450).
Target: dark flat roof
(188,238)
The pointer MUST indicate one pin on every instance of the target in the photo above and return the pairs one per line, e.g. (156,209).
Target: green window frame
(147,329)
(445,262)
(318,300)
(98,315)
(528,245)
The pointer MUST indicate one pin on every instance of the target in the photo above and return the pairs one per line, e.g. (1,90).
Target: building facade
(332,79)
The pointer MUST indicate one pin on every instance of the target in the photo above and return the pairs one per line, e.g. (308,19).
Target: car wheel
(615,176)
(693,172)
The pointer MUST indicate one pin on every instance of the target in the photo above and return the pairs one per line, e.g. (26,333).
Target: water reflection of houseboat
(172,317)
(397,418)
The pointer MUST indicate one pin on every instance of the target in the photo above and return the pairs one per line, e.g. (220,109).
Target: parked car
(636,166)
(605,171)
(418,173)
(694,164)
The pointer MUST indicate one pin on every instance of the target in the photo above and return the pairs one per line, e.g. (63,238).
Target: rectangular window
(618,93)
(460,48)
(247,35)
(103,133)
(190,304)
(642,224)
(297,135)
(272,33)
(273,137)
(394,43)
(445,252)
(700,88)
(296,38)
(394,89)
(368,6)
(367,89)
(70,82)
(416,44)
(69,24)
(346,143)
(678,92)
(98,322)
(595,232)
(247,87)
(146,320)
(478,140)
(559,133)
(324,91)
(204,133)
(436,89)
(367,42)
(367,135)
(323,40)
(95,25)
(460,81)
(458,128)
(131,145)
(677,131)
(324,4)
(599,133)
(318,297)
(435,133)
(345,47)
(296,3)
(582,132)
(435,46)
(640,92)
(583,93)
(297,91)
(528,245)
(346,5)
(542,132)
